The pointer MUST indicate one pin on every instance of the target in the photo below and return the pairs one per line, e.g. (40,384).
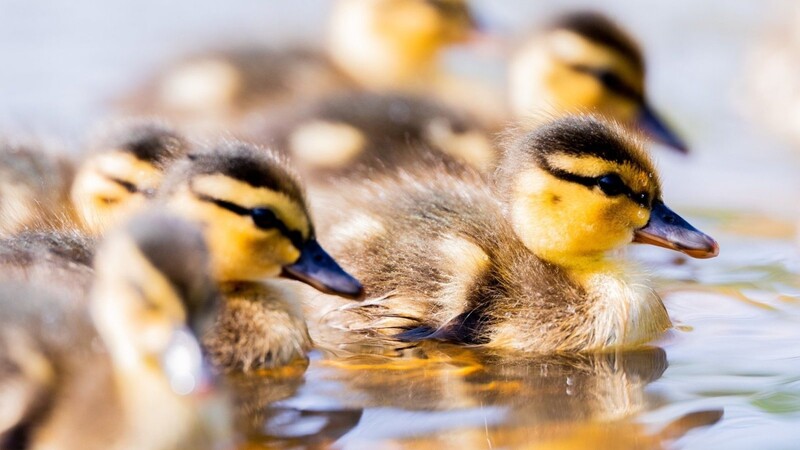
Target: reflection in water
(435,396)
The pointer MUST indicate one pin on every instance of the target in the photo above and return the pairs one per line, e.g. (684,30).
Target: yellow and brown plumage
(253,211)
(353,133)
(380,44)
(585,63)
(34,187)
(122,170)
(516,261)
(89,374)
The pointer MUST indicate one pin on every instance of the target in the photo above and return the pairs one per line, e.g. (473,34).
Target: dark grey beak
(654,127)
(320,271)
(669,230)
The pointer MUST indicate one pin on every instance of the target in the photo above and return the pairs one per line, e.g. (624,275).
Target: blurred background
(64,63)
(725,74)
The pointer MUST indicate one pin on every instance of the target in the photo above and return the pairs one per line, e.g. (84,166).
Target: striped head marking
(254,213)
(579,187)
(123,171)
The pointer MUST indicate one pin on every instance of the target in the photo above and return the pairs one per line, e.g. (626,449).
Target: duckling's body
(377,45)
(518,262)
(584,63)
(255,219)
(345,134)
(88,375)
(59,260)
(34,186)
(222,85)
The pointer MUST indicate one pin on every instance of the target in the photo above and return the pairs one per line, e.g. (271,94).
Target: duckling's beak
(654,127)
(183,364)
(669,230)
(320,271)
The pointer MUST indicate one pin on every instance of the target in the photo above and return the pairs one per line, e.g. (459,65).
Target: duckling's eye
(264,218)
(611,185)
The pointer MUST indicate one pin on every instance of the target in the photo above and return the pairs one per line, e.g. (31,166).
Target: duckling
(376,44)
(394,44)
(585,63)
(34,182)
(257,225)
(123,170)
(58,258)
(114,373)
(516,262)
(343,134)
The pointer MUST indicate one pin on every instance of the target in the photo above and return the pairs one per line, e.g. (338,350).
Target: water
(727,376)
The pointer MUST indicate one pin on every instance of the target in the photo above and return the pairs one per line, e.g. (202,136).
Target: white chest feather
(626,310)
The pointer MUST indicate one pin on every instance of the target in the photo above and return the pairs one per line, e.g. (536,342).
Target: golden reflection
(619,435)
(473,398)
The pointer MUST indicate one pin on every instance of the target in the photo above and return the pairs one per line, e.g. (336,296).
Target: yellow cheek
(574,92)
(239,250)
(618,108)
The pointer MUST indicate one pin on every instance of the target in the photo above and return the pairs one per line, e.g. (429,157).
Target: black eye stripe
(610,80)
(259,218)
(640,198)
(130,187)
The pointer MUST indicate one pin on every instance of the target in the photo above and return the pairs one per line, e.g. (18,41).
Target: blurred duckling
(344,134)
(123,170)
(34,187)
(61,259)
(376,44)
(585,63)
(256,222)
(519,262)
(116,373)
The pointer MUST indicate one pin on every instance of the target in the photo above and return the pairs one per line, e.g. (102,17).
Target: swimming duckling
(585,63)
(114,373)
(34,186)
(344,134)
(376,44)
(257,225)
(123,170)
(518,263)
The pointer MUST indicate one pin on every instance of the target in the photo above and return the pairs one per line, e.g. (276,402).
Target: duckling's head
(123,171)
(153,296)
(585,63)
(391,39)
(578,187)
(255,217)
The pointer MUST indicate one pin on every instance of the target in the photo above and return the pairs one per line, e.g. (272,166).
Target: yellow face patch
(543,77)
(241,251)
(240,193)
(99,194)
(592,166)
(573,49)
(568,223)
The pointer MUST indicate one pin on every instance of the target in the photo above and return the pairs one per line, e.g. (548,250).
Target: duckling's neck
(625,310)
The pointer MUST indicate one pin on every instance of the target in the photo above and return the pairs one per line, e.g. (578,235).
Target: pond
(728,374)
(725,377)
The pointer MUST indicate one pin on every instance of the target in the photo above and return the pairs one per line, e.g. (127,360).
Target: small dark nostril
(669,219)
(318,258)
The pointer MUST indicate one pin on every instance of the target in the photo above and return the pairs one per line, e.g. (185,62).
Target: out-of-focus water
(727,377)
